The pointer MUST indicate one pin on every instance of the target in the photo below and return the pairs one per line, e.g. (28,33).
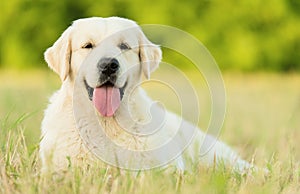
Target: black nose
(108,66)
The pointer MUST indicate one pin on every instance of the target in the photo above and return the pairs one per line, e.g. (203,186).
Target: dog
(100,111)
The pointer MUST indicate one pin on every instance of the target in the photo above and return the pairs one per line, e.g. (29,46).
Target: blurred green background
(256,43)
(246,35)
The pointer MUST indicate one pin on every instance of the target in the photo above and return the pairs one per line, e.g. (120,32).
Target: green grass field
(262,124)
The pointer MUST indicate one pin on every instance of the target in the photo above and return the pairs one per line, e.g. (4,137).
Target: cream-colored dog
(101,110)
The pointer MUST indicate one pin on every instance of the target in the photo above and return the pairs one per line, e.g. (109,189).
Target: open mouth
(106,98)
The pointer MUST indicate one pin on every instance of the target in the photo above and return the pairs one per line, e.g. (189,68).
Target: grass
(262,123)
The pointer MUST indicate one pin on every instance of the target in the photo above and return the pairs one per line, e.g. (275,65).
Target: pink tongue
(107,100)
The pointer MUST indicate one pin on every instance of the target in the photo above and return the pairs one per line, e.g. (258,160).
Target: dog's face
(109,55)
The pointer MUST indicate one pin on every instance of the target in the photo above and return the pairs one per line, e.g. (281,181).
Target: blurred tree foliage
(244,35)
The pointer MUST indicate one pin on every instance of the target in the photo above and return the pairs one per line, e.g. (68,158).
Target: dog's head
(109,53)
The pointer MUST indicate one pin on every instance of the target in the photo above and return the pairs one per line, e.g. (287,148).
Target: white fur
(61,143)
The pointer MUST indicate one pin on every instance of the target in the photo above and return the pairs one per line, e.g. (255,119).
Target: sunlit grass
(262,123)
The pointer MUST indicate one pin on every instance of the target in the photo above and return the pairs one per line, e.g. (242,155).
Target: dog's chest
(123,138)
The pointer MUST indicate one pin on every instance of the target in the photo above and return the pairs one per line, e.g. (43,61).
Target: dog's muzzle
(106,97)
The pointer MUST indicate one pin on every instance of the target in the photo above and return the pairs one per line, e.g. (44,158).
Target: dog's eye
(124,46)
(88,46)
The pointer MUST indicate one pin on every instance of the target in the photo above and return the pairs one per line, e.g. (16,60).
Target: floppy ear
(150,56)
(58,56)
